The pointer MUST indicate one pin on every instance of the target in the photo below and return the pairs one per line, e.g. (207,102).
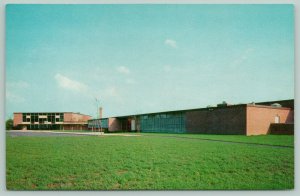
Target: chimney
(100,112)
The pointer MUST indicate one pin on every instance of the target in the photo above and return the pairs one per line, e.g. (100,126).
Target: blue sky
(146,58)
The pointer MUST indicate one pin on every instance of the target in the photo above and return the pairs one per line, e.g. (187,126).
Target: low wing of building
(276,117)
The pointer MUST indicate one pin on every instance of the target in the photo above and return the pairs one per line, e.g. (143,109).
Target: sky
(146,58)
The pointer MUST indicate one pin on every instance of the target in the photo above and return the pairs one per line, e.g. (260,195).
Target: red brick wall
(86,117)
(227,120)
(17,119)
(75,127)
(68,117)
(259,118)
(114,124)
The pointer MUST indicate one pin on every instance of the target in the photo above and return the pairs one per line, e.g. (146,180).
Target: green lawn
(148,162)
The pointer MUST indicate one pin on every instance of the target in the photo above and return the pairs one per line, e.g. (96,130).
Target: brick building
(244,119)
(51,121)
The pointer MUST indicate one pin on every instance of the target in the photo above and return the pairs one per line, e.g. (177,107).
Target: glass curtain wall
(163,123)
(96,123)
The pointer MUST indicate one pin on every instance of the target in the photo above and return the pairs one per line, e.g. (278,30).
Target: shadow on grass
(224,141)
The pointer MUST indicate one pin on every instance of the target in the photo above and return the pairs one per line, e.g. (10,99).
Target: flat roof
(50,113)
(268,106)
(207,108)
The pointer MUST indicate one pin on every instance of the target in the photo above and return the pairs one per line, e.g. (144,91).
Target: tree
(9,124)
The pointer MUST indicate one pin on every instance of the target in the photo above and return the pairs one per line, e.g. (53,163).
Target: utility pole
(98,122)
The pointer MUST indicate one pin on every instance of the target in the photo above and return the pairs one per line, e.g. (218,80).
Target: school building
(273,117)
(50,121)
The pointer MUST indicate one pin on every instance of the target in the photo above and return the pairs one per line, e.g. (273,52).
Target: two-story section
(50,121)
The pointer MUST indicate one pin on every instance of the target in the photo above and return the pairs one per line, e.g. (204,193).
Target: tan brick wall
(260,118)
(17,119)
(227,120)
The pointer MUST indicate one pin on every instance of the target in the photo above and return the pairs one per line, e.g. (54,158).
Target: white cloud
(171,43)
(167,68)
(112,91)
(13,89)
(123,70)
(13,98)
(70,84)
(130,81)
(19,84)
(108,94)
(243,57)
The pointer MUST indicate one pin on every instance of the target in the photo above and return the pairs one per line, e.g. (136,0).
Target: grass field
(280,140)
(152,161)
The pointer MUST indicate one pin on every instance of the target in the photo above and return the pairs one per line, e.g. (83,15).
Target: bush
(9,124)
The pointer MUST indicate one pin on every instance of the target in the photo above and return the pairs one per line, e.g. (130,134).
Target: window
(277,119)
(24,117)
(61,116)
